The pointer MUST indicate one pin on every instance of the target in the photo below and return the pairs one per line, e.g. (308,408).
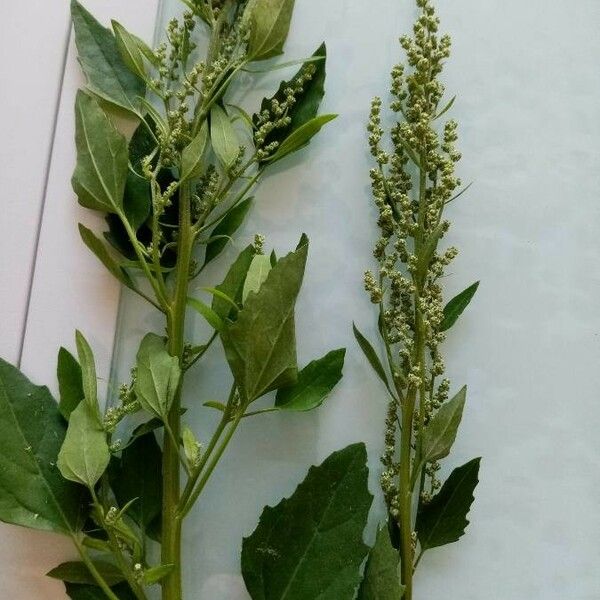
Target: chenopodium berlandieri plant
(413,184)
(173,194)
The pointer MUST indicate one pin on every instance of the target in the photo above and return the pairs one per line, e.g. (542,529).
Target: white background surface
(529,346)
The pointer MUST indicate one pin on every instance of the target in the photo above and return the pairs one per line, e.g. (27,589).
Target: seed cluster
(412,182)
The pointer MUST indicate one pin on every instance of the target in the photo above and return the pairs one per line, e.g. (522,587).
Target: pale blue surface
(529,347)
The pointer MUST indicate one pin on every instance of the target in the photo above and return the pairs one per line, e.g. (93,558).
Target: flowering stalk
(413,183)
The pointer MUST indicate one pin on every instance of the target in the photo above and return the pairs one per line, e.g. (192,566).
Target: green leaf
(444,519)
(381,580)
(101,251)
(77,591)
(230,223)
(129,47)
(70,382)
(257,274)
(88,373)
(269,27)
(440,433)
(216,405)
(315,383)
(301,137)
(212,318)
(223,137)
(191,446)
(307,102)
(261,346)
(430,246)
(156,574)
(137,200)
(101,171)
(311,544)
(32,492)
(107,74)
(77,572)
(371,356)
(84,455)
(233,284)
(192,155)
(158,376)
(457,305)
(137,475)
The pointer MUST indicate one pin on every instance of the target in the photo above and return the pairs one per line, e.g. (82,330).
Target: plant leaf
(192,155)
(88,373)
(99,249)
(440,433)
(107,75)
(32,492)
(158,375)
(371,356)
(223,137)
(212,318)
(310,545)
(261,345)
(381,580)
(457,305)
(301,137)
(315,383)
(77,572)
(77,591)
(257,274)
(230,223)
(101,171)
(156,574)
(444,519)
(307,102)
(84,455)
(137,474)
(70,383)
(129,47)
(233,284)
(269,27)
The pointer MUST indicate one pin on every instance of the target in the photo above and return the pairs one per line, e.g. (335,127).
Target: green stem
(92,569)
(211,466)
(171,522)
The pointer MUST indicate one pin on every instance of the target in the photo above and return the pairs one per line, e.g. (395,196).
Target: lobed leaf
(315,383)
(311,544)
(444,519)
(260,345)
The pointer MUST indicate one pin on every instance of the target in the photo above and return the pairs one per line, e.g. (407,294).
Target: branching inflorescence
(413,182)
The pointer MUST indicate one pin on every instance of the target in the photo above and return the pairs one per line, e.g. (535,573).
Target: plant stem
(171,522)
(92,569)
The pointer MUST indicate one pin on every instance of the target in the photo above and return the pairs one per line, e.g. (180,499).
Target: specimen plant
(413,183)
(173,194)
